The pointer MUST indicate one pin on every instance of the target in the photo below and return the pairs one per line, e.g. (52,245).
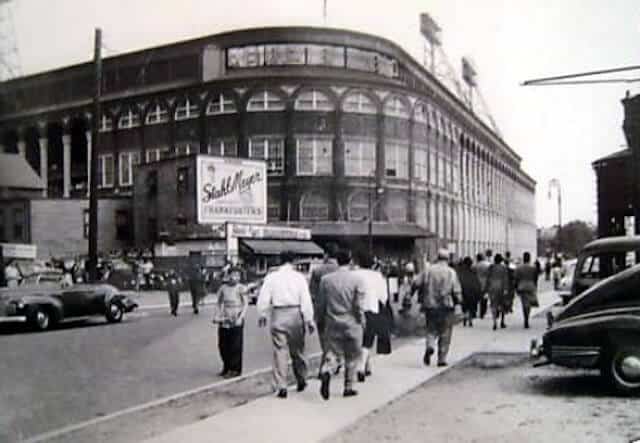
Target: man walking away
(471,290)
(328,266)
(482,271)
(197,287)
(526,282)
(441,292)
(342,317)
(498,289)
(285,295)
(231,309)
(375,300)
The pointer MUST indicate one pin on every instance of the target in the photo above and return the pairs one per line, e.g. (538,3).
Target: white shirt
(375,289)
(285,287)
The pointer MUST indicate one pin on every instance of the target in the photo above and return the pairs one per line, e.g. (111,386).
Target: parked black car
(603,258)
(600,329)
(43,307)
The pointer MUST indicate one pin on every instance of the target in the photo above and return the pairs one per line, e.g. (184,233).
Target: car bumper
(567,356)
(13,318)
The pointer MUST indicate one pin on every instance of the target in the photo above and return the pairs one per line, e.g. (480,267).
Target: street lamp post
(555,184)
(371,206)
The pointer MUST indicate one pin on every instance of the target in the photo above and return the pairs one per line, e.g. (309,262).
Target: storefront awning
(275,247)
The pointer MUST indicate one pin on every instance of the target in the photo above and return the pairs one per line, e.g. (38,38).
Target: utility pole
(555,184)
(93,171)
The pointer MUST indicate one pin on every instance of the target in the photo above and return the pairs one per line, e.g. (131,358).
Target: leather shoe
(442,363)
(367,373)
(350,393)
(361,377)
(302,385)
(325,384)
(427,356)
(282,393)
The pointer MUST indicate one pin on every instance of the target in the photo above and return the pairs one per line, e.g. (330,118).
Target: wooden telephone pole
(93,172)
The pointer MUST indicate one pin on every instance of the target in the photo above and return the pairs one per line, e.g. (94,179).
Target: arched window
(395,107)
(129,118)
(273,204)
(265,101)
(420,112)
(360,103)
(186,109)
(221,104)
(313,101)
(358,206)
(421,212)
(314,206)
(396,208)
(157,114)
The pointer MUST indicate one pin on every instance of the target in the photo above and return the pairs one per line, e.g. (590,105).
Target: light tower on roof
(9,55)
(437,63)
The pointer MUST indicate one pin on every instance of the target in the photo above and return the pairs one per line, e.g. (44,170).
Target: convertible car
(43,306)
(599,329)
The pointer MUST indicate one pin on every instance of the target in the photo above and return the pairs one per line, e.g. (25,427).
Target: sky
(557,130)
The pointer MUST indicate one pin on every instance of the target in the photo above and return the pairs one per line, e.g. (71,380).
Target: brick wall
(57,226)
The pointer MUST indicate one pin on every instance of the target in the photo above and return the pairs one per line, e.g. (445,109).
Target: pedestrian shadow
(8,329)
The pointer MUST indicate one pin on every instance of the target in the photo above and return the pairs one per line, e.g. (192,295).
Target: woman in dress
(526,277)
(498,290)
(471,290)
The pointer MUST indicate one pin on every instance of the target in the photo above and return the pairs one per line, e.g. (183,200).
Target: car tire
(622,369)
(40,318)
(115,312)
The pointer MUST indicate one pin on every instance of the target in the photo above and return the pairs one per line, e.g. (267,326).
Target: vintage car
(599,329)
(600,259)
(44,306)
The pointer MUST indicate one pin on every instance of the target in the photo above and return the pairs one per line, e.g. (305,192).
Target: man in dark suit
(341,317)
(328,266)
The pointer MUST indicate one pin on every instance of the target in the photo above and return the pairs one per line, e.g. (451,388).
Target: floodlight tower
(470,75)
(435,59)
(9,56)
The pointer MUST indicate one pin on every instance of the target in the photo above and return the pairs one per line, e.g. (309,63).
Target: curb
(165,401)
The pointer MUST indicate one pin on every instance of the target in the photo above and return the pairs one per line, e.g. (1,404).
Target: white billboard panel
(231,190)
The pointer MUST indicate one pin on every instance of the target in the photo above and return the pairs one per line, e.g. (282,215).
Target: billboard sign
(231,190)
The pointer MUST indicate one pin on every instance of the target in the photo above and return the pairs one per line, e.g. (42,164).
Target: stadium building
(349,125)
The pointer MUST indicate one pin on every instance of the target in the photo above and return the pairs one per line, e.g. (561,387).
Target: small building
(618,183)
(214,208)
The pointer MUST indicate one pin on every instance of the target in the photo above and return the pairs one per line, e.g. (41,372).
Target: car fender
(123,300)
(593,330)
(44,300)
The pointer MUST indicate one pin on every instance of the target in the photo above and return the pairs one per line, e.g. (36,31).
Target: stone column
(66,165)
(43,142)
(89,150)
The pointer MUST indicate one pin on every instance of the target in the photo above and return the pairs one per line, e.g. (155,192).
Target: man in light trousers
(285,297)
(441,295)
(341,316)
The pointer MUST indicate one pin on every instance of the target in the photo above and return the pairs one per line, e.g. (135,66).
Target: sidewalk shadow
(580,384)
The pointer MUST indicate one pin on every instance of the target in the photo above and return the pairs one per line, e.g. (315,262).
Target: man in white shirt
(285,296)
(375,298)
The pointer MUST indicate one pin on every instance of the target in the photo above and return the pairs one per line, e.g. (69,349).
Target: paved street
(498,398)
(82,371)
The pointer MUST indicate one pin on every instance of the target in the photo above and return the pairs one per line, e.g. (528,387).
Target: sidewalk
(306,417)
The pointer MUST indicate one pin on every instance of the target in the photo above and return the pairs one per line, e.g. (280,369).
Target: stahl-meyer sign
(231,190)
